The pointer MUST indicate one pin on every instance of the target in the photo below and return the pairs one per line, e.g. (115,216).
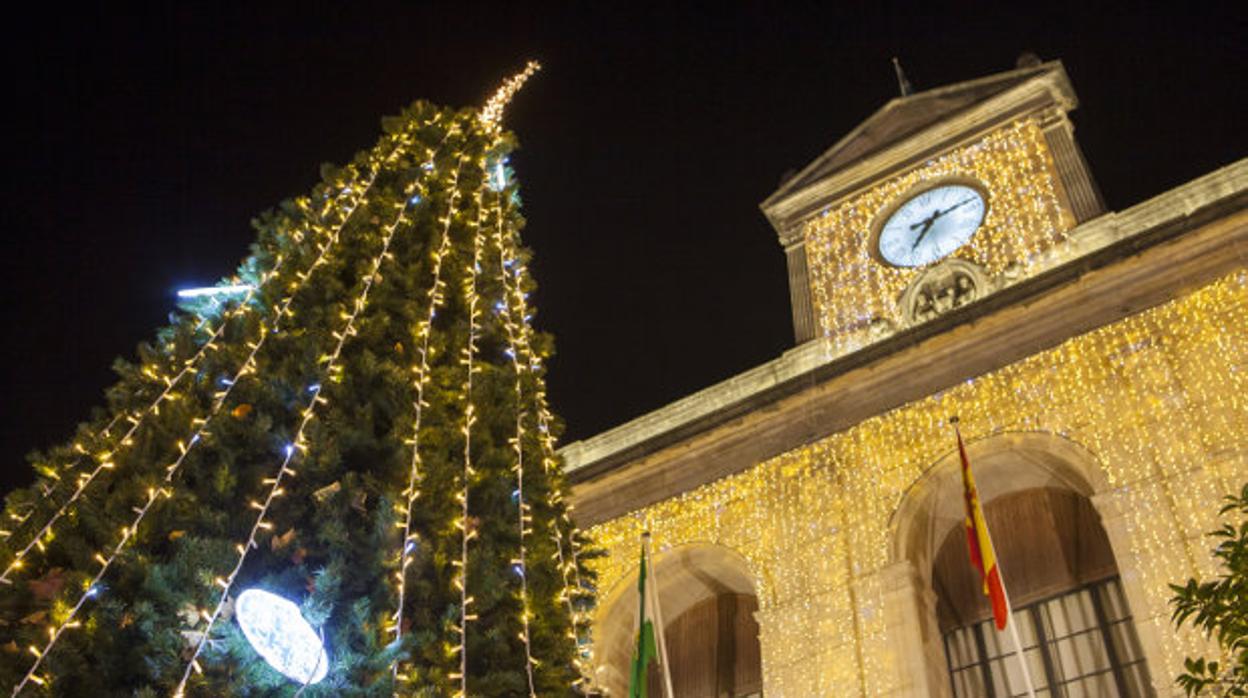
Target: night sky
(138,145)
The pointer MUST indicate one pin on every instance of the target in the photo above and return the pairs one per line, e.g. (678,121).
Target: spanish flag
(983,558)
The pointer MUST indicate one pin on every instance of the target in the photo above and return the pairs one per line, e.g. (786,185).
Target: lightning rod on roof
(902,83)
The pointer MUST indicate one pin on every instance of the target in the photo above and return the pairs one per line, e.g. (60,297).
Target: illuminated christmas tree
(333,474)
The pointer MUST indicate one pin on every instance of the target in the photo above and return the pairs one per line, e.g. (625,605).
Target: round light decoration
(279,633)
(931,224)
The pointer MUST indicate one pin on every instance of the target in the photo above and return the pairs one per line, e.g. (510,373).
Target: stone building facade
(807,514)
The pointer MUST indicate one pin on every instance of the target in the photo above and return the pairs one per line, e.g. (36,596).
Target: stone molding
(1113,266)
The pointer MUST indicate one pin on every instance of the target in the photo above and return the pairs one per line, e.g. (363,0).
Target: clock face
(931,225)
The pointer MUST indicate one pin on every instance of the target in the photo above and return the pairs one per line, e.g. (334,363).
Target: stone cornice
(1113,266)
(1039,95)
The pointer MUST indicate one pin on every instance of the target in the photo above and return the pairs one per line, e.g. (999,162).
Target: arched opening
(707,599)
(1059,568)
(1074,623)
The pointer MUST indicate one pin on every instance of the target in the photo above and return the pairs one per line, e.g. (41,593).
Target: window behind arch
(1073,619)
(714,650)
(1078,643)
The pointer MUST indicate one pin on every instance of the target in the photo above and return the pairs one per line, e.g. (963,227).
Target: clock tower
(939,199)
(949,257)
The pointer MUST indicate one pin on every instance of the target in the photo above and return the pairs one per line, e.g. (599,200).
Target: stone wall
(1155,402)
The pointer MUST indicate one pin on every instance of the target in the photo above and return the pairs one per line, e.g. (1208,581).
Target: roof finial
(902,83)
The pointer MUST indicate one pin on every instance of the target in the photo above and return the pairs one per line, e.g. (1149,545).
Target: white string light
(437,298)
(299,443)
(467,531)
(200,425)
(569,565)
(491,114)
(517,442)
(105,459)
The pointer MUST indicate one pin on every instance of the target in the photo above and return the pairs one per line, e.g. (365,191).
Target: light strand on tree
(491,114)
(89,591)
(105,459)
(517,303)
(199,426)
(510,324)
(467,531)
(424,329)
(49,471)
(331,372)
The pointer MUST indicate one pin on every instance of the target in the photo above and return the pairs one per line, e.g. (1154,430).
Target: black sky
(138,144)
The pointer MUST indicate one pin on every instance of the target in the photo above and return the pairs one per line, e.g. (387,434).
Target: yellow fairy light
(1157,397)
(467,361)
(851,289)
(141,512)
(492,113)
(568,564)
(511,324)
(420,382)
(105,459)
(308,414)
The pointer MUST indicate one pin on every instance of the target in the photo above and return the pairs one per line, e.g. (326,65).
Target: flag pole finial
(954,420)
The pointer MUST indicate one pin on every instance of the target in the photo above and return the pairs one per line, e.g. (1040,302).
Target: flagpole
(1009,615)
(658,618)
(1009,608)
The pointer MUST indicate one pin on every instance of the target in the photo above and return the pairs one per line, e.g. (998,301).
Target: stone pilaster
(910,622)
(1111,506)
(804,326)
(1081,190)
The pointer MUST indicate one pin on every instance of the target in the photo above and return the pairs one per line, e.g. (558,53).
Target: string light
(436,297)
(467,530)
(106,460)
(199,425)
(90,591)
(1158,398)
(299,444)
(491,114)
(348,197)
(568,564)
(852,290)
(517,442)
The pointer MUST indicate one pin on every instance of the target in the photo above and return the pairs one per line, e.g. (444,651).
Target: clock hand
(927,222)
(937,214)
(927,225)
(960,203)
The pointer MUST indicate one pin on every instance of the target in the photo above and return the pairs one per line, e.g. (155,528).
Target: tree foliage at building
(1218,607)
(369,413)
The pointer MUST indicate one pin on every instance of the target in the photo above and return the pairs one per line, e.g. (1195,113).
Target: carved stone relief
(942,287)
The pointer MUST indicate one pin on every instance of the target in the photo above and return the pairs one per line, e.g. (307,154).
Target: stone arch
(687,575)
(1005,464)
(925,511)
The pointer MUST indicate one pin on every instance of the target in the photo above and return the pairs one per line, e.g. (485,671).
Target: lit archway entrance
(708,601)
(1077,629)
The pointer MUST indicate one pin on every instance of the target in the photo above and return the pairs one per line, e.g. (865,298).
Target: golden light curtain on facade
(851,288)
(1160,399)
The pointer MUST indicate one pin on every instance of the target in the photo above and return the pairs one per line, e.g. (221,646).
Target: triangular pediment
(906,116)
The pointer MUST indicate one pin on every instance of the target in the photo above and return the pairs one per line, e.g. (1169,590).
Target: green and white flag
(646,651)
